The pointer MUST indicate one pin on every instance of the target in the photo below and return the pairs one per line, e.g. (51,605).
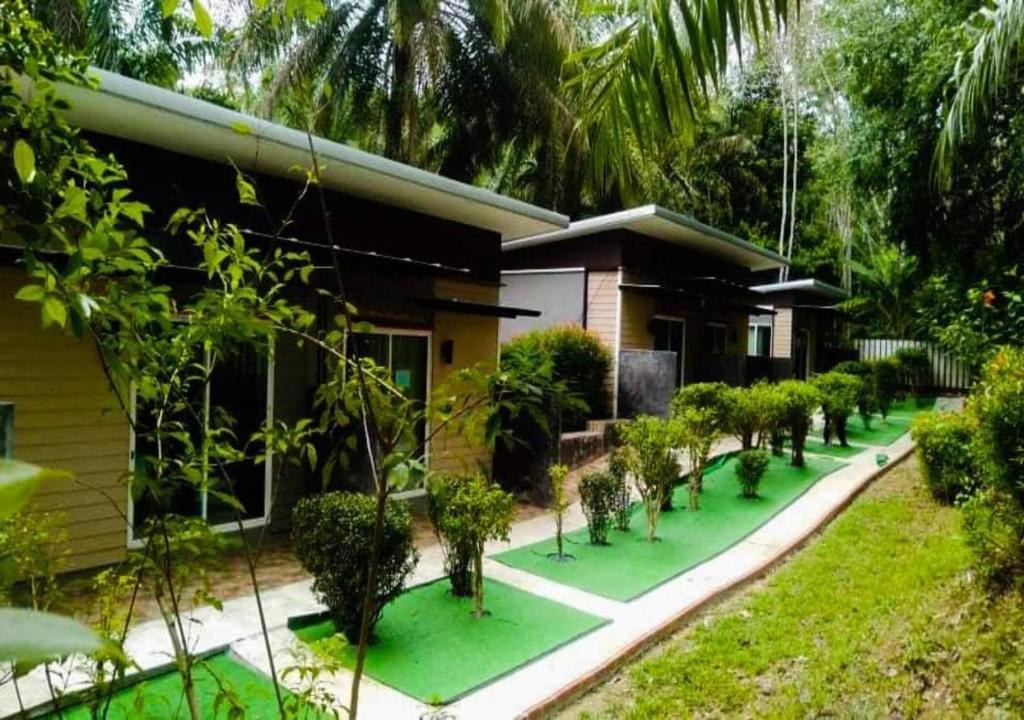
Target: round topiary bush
(943,441)
(599,495)
(798,402)
(332,536)
(750,467)
(839,393)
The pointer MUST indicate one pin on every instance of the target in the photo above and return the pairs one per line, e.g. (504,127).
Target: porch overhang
(467,307)
(720,300)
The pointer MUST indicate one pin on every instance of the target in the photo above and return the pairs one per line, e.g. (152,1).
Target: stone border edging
(583,684)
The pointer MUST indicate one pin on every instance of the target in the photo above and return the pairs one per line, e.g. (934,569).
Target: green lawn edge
(525,558)
(480,666)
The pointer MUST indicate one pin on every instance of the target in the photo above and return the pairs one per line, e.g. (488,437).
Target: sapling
(623,502)
(650,457)
(799,400)
(839,393)
(559,503)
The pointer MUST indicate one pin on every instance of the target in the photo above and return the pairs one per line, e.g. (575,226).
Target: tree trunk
(181,658)
(785,161)
(478,581)
(398,98)
(370,597)
(792,190)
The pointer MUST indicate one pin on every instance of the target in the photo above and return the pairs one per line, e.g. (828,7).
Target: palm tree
(655,62)
(886,280)
(980,75)
(135,39)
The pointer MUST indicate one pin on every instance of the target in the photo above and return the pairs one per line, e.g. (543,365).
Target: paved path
(529,689)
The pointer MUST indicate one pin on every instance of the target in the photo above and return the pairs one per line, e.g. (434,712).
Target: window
(717,338)
(7,430)
(406,354)
(759,336)
(237,396)
(670,335)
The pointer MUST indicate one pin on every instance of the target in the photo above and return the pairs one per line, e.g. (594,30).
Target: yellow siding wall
(475,343)
(782,333)
(602,315)
(65,417)
(637,312)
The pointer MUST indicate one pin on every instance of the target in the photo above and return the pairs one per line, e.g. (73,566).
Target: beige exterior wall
(65,417)
(475,341)
(603,316)
(637,311)
(782,333)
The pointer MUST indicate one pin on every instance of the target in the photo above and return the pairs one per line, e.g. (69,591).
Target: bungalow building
(669,296)
(797,334)
(421,255)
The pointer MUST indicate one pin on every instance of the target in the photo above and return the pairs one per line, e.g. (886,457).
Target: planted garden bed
(160,696)
(431,647)
(630,566)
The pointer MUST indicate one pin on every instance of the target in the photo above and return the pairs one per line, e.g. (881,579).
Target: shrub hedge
(943,447)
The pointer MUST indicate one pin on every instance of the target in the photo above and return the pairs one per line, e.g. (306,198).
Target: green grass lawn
(161,696)
(630,565)
(431,646)
(878,618)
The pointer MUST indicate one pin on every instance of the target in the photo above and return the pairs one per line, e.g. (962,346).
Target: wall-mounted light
(447,351)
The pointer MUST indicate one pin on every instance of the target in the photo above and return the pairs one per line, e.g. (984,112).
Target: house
(421,258)
(669,296)
(798,333)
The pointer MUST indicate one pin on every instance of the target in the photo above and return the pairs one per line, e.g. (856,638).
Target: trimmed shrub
(578,358)
(885,377)
(839,393)
(943,441)
(622,509)
(866,401)
(799,400)
(701,413)
(649,455)
(994,517)
(755,410)
(750,467)
(458,557)
(332,536)
(598,494)
(475,511)
(915,366)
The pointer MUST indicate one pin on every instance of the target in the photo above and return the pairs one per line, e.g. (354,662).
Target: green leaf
(18,480)
(54,311)
(31,636)
(168,7)
(31,293)
(24,162)
(204,23)
(246,192)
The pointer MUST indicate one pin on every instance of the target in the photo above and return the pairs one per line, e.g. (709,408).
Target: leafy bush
(838,392)
(475,511)
(750,467)
(579,359)
(332,535)
(866,401)
(885,378)
(799,401)
(994,517)
(702,413)
(915,366)
(623,503)
(714,397)
(943,441)
(458,558)
(649,455)
(599,493)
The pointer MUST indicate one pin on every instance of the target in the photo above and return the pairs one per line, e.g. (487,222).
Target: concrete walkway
(537,686)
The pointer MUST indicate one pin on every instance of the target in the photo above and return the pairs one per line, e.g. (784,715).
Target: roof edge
(805,284)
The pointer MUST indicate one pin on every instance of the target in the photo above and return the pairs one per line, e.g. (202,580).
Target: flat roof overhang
(662,224)
(139,112)
(809,286)
(466,307)
(722,301)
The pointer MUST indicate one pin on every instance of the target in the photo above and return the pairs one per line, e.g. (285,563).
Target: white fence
(948,373)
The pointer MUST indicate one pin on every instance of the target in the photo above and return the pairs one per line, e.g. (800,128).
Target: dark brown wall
(166,181)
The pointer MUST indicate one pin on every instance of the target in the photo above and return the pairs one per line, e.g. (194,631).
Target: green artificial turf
(630,565)
(161,696)
(432,647)
(910,406)
(880,434)
(814,445)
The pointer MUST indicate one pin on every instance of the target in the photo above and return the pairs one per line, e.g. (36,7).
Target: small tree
(838,392)
(560,502)
(623,502)
(598,493)
(754,410)
(866,400)
(750,467)
(475,512)
(885,376)
(650,457)
(799,400)
(333,535)
(702,413)
(458,556)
